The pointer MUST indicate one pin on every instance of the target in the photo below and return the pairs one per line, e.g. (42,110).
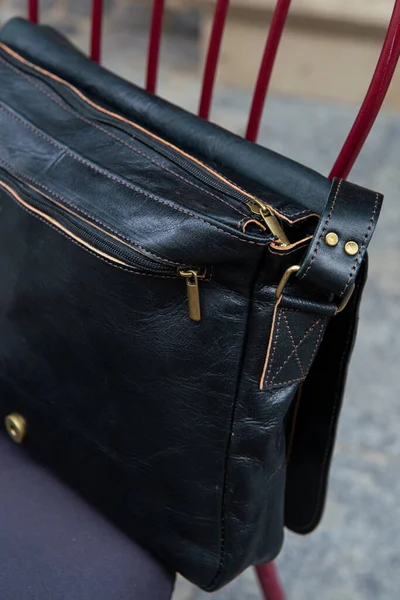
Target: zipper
(258,207)
(189,164)
(177,156)
(102,243)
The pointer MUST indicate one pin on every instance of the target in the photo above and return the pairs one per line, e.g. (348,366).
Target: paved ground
(355,553)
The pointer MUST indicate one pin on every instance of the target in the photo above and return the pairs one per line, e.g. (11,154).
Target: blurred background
(324,65)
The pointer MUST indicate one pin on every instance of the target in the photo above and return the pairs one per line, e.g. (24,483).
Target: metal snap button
(351,248)
(331,239)
(16,427)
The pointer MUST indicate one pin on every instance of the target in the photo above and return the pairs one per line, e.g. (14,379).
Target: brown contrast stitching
(75,114)
(362,246)
(293,344)
(11,169)
(125,184)
(323,231)
(309,330)
(77,92)
(323,323)
(118,117)
(70,239)
(274,332)
(308,366)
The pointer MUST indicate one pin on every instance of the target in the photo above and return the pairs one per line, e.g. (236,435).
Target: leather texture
(176,429)
(351,214)
(216,145)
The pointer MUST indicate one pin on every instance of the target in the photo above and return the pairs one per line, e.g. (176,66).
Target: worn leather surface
(175,428)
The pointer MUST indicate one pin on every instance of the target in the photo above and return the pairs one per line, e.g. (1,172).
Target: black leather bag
(177,309)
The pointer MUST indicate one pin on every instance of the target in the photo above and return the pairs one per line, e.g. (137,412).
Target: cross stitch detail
(293,348)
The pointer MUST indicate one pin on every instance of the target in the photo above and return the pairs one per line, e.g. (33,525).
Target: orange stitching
(324,229)
(121,182)
(309,363)
(70,239)
(76,114)
(143,129)
(11,169)
(362,246)
(294,345)
(298,345)
(268,361)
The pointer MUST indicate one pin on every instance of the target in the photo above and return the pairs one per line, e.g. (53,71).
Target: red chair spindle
(212,57)
(373,100)
(266,68)
(33,11)
(97,24)
(154,45)
(269,582)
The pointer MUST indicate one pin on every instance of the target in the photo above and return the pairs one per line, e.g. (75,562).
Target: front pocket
(101,243)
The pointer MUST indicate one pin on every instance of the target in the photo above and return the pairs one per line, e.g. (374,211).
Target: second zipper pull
(193,295)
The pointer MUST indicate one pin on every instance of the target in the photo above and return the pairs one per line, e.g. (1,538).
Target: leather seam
(276,333)
(360,252)
(134,125)
(76,114)
(309,330)
(314,352)
(12,169)
(132,270)
(323,230)
(294,345)
(224,499)
(291,435)
(123,183)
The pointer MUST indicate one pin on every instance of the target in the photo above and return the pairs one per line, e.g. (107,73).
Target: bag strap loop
(341,238)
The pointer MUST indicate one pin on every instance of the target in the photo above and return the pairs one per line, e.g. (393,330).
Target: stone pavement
(355,553)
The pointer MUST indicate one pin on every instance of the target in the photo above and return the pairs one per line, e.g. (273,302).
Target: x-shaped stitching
(309,330)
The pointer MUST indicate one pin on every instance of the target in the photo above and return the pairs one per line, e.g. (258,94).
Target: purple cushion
(54,546)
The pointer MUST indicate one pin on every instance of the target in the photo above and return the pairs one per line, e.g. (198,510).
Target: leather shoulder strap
(312,423)
(341,239)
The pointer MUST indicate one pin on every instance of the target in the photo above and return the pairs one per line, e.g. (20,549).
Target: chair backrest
(366,116)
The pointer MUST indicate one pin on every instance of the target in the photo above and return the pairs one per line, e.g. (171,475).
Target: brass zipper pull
(259,208)
(193,295)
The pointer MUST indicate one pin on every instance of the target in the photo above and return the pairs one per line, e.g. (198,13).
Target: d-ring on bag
(177,309)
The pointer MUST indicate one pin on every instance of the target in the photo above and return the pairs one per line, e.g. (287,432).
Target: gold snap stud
(351,248)
(16,427)
(332,239)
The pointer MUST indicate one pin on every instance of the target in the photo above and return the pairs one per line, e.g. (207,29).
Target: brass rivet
(351,248)
(331,239)
(16,427)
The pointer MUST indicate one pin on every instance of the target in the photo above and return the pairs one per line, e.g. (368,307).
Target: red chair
(351,148)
